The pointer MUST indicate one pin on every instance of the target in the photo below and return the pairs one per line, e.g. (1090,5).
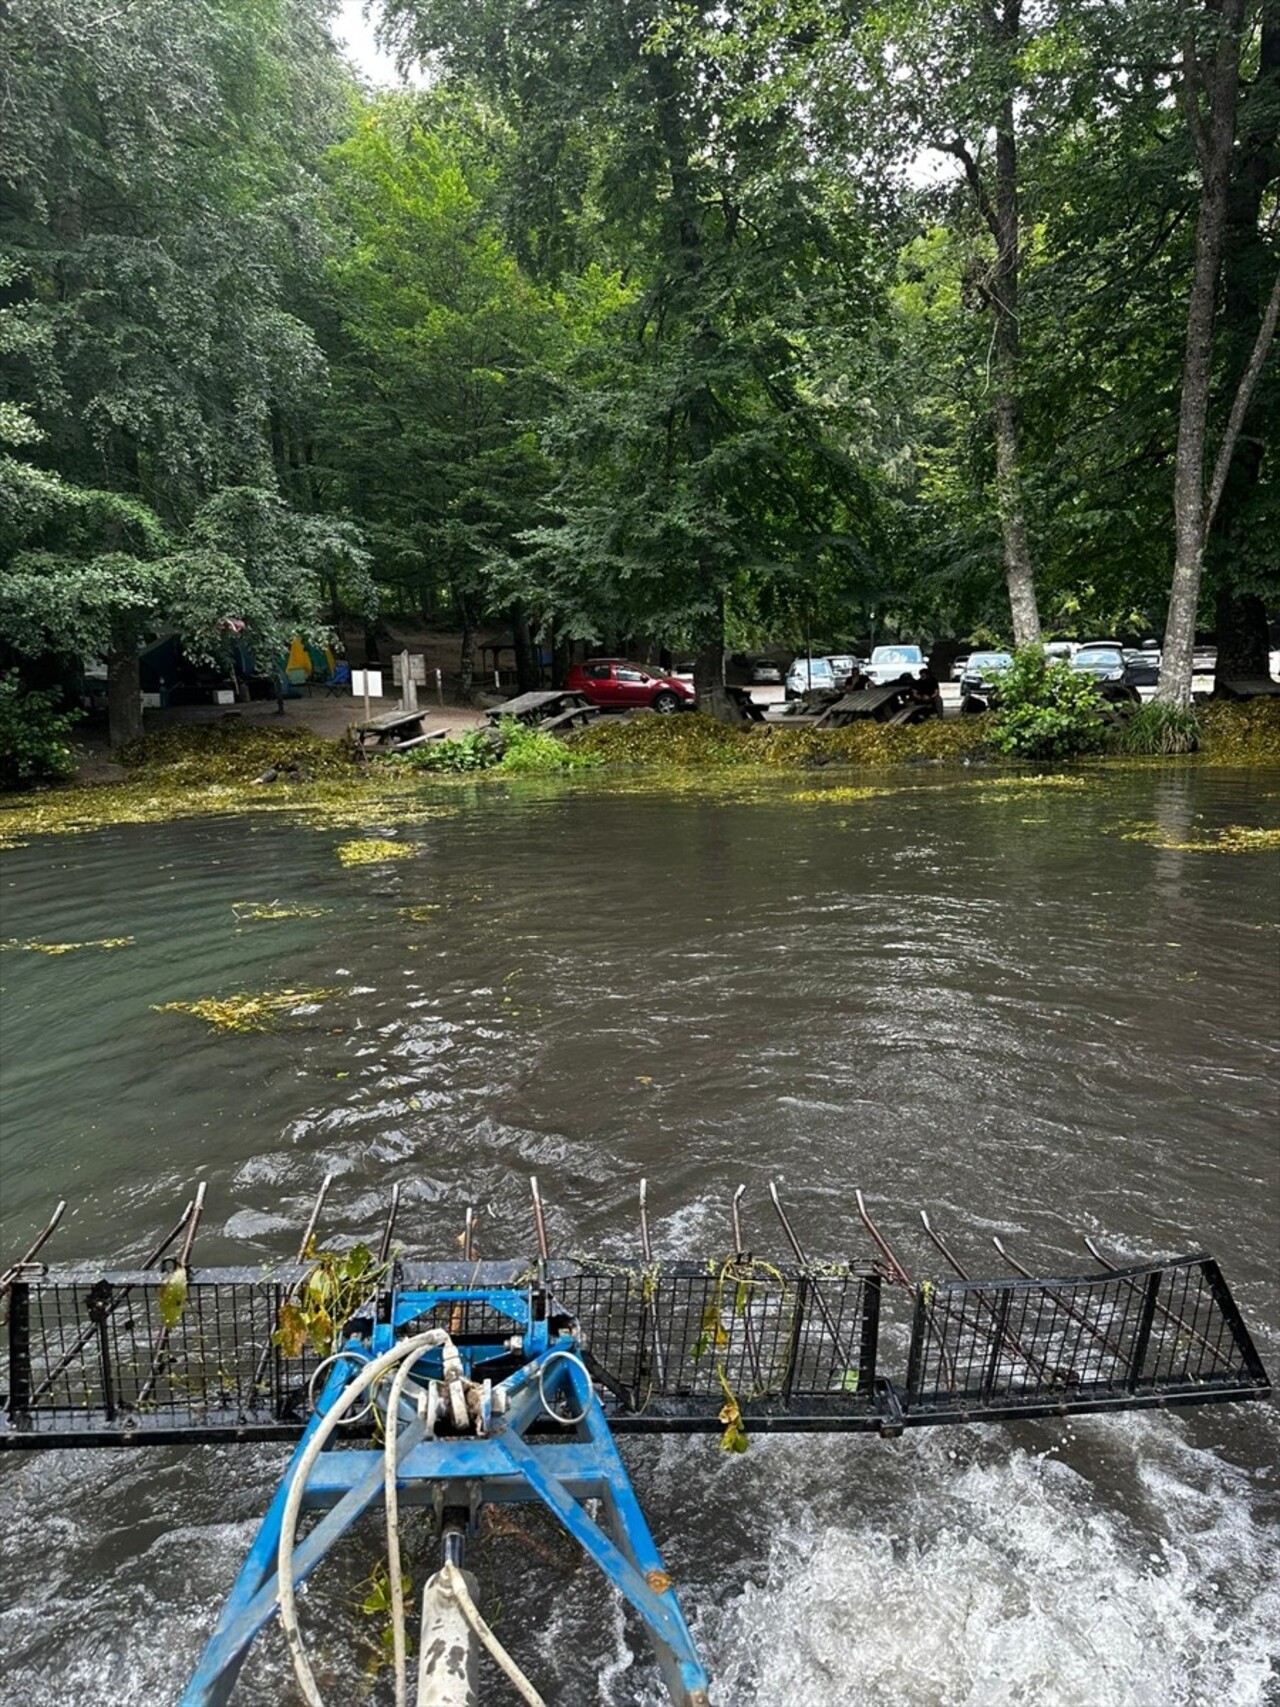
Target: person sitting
(926,692)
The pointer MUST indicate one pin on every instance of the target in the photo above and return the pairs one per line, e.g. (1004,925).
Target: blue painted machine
(463,1384)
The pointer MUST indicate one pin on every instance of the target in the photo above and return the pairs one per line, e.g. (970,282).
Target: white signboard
(374,678)
(417,669)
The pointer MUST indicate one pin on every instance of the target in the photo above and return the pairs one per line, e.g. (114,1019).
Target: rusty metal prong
(942,1245)
(1096,1254)
(34,1248)
(897,1273)
(313,1220)
(393,1209)
(304,1245)
(738,1245)
(748,1327)
(184,1258)
(649,1292)
(539,1223)
(819,1300)
(468,1235)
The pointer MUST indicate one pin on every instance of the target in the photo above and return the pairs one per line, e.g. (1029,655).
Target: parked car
(1204,661)
(983,671)
(890,662)
(808,675)
(1142,666)
(1106,665)
(764,673)
(958,668)
(1059,651)
(843,665)
(614,684)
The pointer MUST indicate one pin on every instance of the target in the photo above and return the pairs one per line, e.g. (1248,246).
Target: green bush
(1156,728)
(33,735)
(471,751)
(1046,710)
(529,751)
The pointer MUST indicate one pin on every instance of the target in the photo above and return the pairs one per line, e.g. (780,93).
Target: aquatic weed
(372,851)
(245,1011)
(66,947)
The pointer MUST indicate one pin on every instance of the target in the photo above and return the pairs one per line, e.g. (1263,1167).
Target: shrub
(471,751)
(1046,710)
(33,734)
(527,751)
(1156,728)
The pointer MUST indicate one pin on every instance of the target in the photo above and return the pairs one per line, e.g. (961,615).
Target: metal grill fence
(1150,1334)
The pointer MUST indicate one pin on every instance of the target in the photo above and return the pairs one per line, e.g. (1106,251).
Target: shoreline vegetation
(211,769)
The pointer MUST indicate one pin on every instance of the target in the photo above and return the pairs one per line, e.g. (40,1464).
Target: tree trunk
(528,674)
(124,695)
(1214,134)
(1244,643)
(467,651)
(1018,574)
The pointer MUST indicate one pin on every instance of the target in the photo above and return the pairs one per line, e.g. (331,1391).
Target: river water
(976,999)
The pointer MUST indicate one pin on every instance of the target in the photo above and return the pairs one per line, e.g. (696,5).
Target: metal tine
(468,1235)
(748,1328)
(803,1260)
(304,1245)
(384,1244)
(539,1223)
(1064,1304)
(1010,1339)
(69,1357)
(184,1257)
(897,1273)
(898,1276)
(648,1305)
(33,1249)
(1162,1309)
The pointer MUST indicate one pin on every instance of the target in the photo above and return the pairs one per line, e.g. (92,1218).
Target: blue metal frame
(561,1470)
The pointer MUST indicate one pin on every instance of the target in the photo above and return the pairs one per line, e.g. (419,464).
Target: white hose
(402,1358)
(372,1372)
(390,1467)
(456,1583)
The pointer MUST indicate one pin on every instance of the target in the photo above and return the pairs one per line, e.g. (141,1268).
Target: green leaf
(173,1295)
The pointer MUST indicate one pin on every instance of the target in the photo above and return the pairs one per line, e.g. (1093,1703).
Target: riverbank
(202,769)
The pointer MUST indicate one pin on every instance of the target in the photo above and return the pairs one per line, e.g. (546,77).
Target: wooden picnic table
(534,707)
(892,704)
(394,731)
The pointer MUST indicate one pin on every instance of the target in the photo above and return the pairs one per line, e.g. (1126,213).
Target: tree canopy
(638,322)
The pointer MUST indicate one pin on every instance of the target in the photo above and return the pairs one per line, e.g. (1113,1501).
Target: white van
(890,662)
(809,675)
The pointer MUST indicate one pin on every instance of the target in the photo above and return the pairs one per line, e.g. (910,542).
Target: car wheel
(666,701)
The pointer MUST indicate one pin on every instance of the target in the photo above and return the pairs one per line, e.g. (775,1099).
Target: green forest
(636,318)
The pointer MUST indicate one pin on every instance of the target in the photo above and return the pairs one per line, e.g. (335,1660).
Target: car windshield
(814,666)
(1100,655)
(896,655)
(989,660)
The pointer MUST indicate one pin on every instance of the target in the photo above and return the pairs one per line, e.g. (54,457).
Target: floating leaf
(172,1297)
(274,910)
(245,1012)
(373,852)
(67,947)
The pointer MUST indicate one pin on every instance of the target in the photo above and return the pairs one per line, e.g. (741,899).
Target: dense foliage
(1045,710)
(639,324)
(34,745)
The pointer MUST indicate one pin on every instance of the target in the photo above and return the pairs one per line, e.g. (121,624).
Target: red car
(614,684)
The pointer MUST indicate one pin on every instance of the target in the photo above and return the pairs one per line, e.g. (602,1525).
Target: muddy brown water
(983,1001)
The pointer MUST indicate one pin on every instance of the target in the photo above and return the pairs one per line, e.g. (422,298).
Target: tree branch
(974,177)
(1244,393)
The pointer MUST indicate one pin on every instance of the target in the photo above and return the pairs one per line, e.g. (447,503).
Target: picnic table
(892,704)
(551,708)
(394,732)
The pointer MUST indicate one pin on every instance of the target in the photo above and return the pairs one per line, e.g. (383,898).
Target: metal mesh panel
(685,1331)
(1150,1333)
(90,1350)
